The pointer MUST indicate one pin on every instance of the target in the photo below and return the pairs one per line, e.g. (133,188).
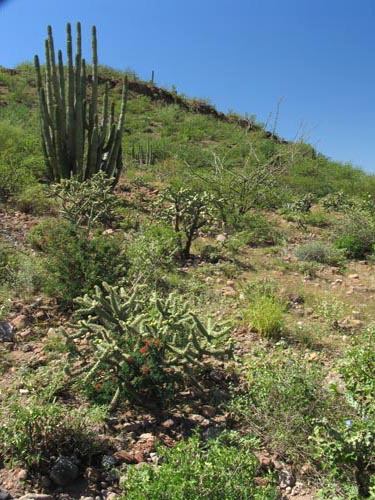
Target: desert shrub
(220,469)
(73,261)
(13,179)
(355,235)
(317,251)
(317,218)
(339,201)
(32,432)
(152,253)
(283,397)
(346,447)
(8,262)
(88,203)
(141,341)
(257,231)
(34,199)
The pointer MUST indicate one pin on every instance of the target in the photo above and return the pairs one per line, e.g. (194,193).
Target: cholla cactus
(125,336)
(75,142)
(189,211)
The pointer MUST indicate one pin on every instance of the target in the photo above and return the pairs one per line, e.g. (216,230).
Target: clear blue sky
(319,55)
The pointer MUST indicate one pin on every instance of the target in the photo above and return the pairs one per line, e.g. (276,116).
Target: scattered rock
(168,424)
(6,332)
(4,494)
(36,496)
(64,471)
(208,411)
(221,237)
(22,474)
(286,479)
(353,276)
(20,322)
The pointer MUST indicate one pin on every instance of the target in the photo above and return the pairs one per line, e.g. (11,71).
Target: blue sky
(244,55)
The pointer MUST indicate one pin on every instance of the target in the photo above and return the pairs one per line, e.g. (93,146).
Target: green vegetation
(202,286)
(219,469)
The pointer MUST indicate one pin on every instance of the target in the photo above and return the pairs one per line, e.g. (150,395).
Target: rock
(45,482)
(22,474)
(108,461)
(168,424)
(20,322)
(199,420)
(64,471)
(112,496)
(36,496)
(208,411)
(4,494)
(221,237)
(6,332)
(286,479)
(353,276)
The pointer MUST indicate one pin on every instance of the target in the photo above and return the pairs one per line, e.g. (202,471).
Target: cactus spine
(75,142)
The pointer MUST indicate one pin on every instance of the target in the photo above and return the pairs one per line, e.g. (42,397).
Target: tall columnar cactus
(75,141)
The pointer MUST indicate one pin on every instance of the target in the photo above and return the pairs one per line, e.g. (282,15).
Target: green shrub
(220,469)
(153,253)
(34,200)
(346,447)
(73,261)
(31,433)
(283,397)
(256,230)
(355,235)
(317,251)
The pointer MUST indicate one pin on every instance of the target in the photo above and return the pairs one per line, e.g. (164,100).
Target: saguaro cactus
(75,142)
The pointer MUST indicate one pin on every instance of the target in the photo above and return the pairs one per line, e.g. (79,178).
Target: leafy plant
(73,261)
(32,433)
(355,235)
(347,447)
(280,402)
(317,251)
(140,341)
(221,469)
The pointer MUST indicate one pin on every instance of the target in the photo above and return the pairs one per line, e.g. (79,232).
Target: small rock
(6,332)
(22,474)
(286,479)
(4,494)
(221,237)
(108,461)
(36,496)
(112,496)
(20,322)
(168,424)
(45,482)
(40,315)
(208,411)
(199,420)
(353,276)
(64,471)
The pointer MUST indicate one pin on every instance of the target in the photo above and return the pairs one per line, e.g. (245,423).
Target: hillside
(229,353)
